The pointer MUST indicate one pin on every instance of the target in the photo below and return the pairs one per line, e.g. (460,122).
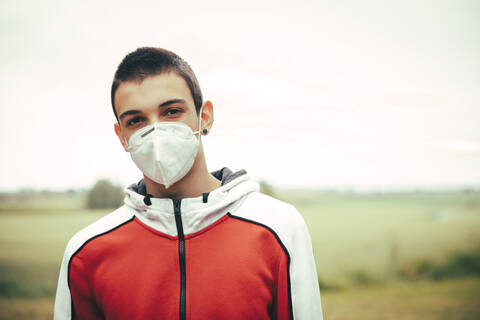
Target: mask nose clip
(148,132)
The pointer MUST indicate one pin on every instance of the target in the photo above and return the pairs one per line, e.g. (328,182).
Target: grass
(31,250)
(424,300)
(363,244)
(379,234)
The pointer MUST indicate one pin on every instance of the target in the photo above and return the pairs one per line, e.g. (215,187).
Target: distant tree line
(104,194)
(267,189)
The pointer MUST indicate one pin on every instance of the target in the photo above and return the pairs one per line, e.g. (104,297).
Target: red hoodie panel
(235,269)
(127,273)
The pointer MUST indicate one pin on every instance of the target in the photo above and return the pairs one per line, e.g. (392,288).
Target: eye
(134,121)
(172,112)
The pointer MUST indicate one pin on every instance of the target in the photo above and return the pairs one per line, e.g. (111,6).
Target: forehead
(151,92)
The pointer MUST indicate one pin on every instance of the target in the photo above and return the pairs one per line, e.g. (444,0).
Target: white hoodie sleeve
(62,309)
(303,273)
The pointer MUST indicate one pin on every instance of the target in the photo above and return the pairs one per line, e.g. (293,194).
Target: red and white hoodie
(233,253)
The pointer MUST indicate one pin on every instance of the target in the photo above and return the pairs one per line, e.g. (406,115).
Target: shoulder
(262,206)
(101,226)
(280,217)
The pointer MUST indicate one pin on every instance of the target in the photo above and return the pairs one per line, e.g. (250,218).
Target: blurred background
(364,115)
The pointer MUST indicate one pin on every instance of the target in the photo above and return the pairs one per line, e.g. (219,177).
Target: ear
(118,132)
(207,116)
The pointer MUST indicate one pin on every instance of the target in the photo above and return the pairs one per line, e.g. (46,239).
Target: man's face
(164,97)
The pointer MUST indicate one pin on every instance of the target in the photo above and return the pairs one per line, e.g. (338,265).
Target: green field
(361,242)
(379,234)
(445,300)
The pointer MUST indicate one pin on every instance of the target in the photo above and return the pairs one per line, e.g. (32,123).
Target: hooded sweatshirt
(233,253)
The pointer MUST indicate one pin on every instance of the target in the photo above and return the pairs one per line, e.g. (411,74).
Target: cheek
(126,134)
(192,121)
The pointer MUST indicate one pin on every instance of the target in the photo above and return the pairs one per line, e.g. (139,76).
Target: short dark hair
(149,61)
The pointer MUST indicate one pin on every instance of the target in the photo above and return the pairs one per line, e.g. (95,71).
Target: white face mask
(164,151)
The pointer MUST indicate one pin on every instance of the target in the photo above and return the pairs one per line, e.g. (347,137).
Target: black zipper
(181,257)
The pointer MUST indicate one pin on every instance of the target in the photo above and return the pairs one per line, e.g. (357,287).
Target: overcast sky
(342,94)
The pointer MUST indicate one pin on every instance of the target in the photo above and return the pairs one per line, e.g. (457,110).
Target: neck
(197,181)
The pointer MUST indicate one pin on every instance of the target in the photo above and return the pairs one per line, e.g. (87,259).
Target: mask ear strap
(199,123)
(125,142)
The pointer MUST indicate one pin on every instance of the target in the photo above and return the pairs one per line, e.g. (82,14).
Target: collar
(196,213)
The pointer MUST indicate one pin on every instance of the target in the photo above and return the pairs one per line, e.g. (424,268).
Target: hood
(198,212)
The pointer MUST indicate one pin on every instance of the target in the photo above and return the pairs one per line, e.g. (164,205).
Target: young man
(187,244)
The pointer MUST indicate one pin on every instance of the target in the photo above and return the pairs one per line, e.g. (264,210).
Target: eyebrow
(163,104)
